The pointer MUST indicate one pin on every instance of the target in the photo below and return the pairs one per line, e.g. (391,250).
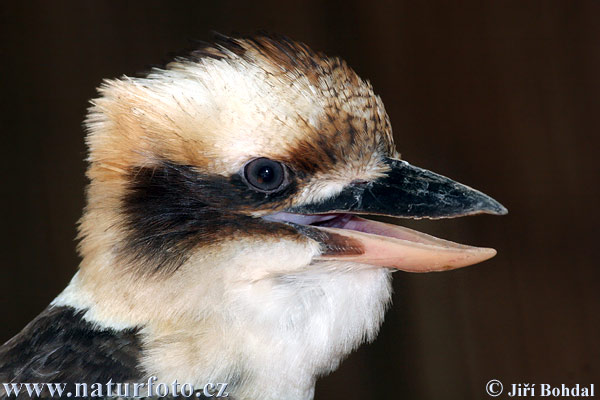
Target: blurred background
(500,95)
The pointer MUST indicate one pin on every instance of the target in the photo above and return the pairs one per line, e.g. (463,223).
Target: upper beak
(408,192)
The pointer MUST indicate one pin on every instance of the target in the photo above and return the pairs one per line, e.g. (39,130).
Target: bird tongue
(350,238)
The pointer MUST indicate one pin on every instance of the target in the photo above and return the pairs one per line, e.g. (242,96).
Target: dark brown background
(500,95)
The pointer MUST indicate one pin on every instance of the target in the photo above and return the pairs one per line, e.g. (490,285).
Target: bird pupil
(265,174)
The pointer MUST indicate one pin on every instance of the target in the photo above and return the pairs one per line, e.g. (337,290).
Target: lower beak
(405,192)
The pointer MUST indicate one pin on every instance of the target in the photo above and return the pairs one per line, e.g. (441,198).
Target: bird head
(222,212)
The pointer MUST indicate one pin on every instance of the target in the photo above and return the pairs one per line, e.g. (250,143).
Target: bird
(228,236)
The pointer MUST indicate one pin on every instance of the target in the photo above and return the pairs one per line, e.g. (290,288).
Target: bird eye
(265,175)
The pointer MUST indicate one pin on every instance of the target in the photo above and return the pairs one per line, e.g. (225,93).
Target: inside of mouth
(349,222)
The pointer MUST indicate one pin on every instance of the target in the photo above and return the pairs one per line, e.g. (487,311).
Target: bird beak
(406,192)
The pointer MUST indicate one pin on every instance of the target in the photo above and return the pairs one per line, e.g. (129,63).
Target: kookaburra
(221,240)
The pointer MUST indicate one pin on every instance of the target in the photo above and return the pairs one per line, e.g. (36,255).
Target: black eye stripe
(170,208)
(266,175)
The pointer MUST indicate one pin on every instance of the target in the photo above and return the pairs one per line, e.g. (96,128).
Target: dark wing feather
(60,346)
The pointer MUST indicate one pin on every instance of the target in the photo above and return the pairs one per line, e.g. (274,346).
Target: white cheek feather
(301,326)
(275,336)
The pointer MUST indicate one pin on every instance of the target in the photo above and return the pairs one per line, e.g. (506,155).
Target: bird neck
(270,339)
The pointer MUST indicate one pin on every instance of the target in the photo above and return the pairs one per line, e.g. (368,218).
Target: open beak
(406,192)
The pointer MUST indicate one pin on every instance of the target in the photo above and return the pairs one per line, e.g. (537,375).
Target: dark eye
(265,175)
